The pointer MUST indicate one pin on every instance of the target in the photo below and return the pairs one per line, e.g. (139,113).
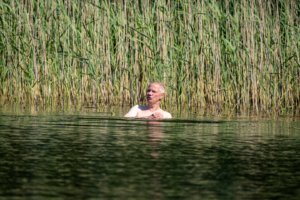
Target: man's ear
(162,96)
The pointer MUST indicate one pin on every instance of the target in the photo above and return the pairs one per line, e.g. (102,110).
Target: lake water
(97,154)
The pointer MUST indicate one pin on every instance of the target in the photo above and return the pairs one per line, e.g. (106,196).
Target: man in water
(155,93)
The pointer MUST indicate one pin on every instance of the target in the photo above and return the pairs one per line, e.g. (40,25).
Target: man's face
(153,93)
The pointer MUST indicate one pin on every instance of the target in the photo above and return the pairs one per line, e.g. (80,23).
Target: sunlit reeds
(236,53)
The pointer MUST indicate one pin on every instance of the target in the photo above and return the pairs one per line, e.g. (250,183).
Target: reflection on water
(90,155)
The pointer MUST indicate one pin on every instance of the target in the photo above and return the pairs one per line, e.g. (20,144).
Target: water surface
(98,154)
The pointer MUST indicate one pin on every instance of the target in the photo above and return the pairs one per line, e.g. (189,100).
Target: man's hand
(156,115)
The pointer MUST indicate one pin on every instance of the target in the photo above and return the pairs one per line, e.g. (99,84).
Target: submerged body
(155,93)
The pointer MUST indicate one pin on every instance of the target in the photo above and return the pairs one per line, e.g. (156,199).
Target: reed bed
(236,53)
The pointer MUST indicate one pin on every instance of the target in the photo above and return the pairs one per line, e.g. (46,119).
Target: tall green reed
(235,53)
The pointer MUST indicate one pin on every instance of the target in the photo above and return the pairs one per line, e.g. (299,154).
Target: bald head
(161,86)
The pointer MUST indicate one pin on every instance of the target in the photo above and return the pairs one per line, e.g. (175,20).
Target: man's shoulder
(167,114)
(135,106)
(139,107)
(133,111)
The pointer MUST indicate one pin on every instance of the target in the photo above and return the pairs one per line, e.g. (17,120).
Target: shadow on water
(94,156)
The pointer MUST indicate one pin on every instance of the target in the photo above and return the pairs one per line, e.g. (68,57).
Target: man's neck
(153,107)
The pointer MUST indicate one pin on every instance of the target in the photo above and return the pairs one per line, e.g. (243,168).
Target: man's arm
(133,111)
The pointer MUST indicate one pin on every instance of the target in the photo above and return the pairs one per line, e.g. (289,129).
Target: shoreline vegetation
(237,53)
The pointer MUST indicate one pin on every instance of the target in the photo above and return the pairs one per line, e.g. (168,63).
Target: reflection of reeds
(236,53)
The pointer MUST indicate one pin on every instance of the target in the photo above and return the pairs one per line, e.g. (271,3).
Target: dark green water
(93,155)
